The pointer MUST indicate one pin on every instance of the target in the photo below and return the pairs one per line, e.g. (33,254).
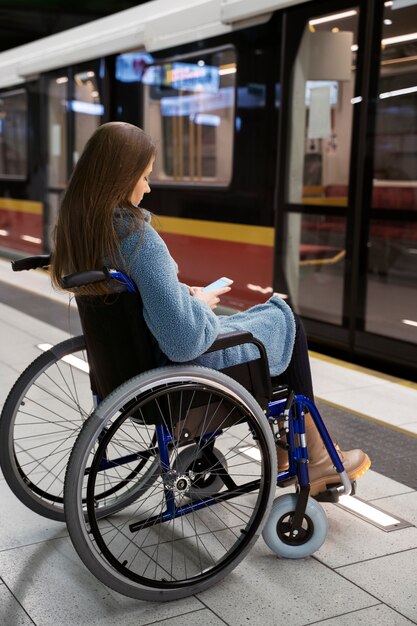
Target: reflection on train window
(315,263)
(13,134)
(395,157)
(189,111)
(392,243)
(57,132)
(87,109)
(392,264)
(322,101)
(322,110)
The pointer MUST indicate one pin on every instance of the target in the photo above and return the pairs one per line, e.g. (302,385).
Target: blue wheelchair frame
(289,410)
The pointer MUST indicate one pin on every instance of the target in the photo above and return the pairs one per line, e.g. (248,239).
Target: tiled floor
(361,575)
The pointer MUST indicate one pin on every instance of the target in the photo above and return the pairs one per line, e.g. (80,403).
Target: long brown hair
(112,162)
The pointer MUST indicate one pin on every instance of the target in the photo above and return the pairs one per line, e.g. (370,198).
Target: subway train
(287,151)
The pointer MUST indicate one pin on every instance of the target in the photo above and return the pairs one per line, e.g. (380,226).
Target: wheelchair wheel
(39,423)
(312,535)
(206,478)
(165,545)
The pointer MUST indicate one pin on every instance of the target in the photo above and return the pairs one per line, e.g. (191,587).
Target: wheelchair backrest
(119,344)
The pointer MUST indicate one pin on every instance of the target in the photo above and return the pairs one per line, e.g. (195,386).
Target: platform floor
(361,575)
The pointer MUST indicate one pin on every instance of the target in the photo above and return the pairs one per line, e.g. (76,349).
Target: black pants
(298,373)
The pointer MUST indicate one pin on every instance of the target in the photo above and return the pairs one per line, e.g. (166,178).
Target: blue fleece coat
(184,326)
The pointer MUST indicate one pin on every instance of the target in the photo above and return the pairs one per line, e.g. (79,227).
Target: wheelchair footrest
(287,482)
(333,493)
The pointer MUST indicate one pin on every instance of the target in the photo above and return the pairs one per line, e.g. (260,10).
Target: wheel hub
(294,536)
(178,483)
(182,484)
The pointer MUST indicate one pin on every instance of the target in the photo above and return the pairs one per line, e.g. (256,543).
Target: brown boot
(282,458)
(320,468)
(282,455)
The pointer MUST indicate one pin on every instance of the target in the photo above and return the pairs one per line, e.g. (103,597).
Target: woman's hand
(212,298)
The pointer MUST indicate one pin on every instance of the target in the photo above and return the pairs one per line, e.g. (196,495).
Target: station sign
(140,67)
(184,77)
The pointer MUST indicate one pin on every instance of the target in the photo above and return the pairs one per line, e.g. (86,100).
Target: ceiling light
(409,322)
(227,70)
(331,18)
(397,92)
(89,108)
(387,22)
(399,39)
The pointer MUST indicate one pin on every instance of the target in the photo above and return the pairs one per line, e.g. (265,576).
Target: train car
(286,136)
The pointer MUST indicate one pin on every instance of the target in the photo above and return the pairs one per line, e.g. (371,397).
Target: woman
(100,222)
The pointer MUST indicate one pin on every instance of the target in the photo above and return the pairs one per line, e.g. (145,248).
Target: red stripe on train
(21,231)
(201,261)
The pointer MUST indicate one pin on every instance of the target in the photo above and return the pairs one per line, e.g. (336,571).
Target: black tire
(167,557)
(39,424)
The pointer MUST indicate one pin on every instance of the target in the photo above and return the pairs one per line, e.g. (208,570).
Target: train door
(74,111)
(347,194)
(315,203)
(387,311)
(319,110)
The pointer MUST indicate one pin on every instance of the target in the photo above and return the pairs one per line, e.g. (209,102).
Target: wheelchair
(165,476)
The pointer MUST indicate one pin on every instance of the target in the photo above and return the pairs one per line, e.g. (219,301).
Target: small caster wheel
(310,536)
(204,481)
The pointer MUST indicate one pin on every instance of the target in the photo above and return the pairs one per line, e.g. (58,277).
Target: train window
(322,100)
(57,130)
(321,262)
(392,243)
(87,109)
(395,156)
(322,110)
(13,134)
(189,109)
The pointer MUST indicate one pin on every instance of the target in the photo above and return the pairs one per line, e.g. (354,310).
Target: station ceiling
(22,21)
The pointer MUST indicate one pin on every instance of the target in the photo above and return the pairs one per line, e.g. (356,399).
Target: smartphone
(218,284)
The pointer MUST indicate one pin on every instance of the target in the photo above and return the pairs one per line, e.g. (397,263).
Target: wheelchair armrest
(258,368)
(80,279)
(31,262)
(236,338)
